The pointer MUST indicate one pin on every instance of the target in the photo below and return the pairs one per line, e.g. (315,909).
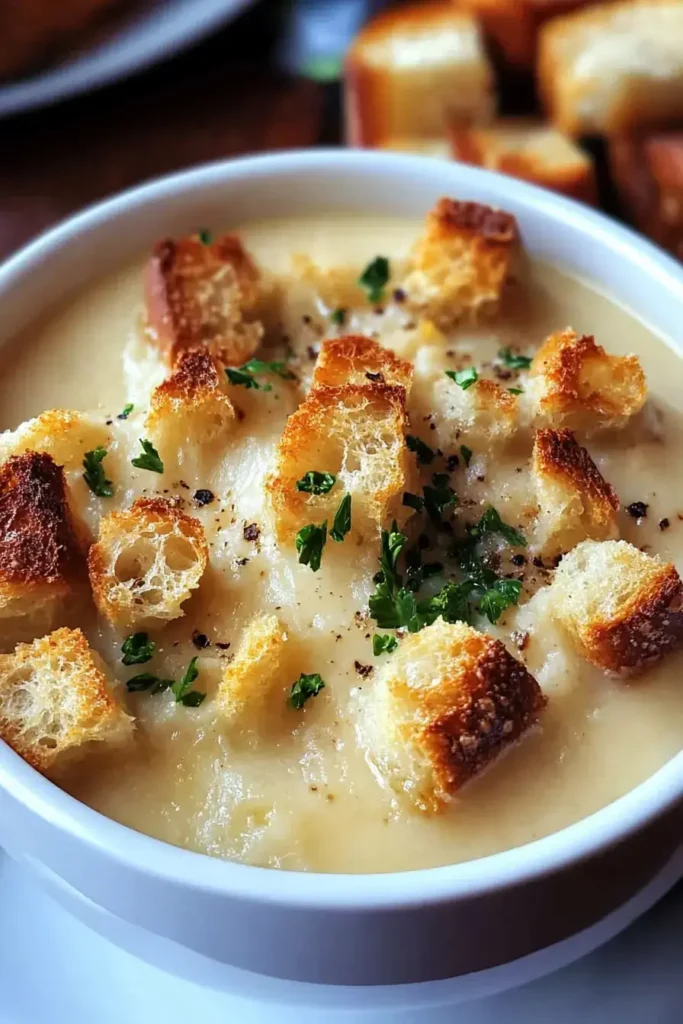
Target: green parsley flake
(374,278)
(383,644)
(338,316)
(126,411)
(182,689)
(246,375)
(342,520)
(204,236)
(424,453)
(137,649)
(493,602)
(94,474)
(149,459)
(463,378)
(516,391)
(466,454)
(314,482)
(143,681)
(439,496)
(303,689)
(491,522)
(513,360)
(413,501)
(310,541)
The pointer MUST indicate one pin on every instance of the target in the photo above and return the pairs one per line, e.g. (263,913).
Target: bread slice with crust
(146,563)
(42,558)
(459,266)
(203,294)
(574,383)
(575,502)
(355,359)
(622,607)
(446,704)
(56,698)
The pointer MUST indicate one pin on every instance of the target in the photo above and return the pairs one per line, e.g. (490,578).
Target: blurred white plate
(150,32)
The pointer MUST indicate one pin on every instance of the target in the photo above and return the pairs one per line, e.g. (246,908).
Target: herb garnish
(491,522)
(463,378)
(94,474)
(502,594)
(310,541)
(513,360)
(149,459)
(438,496)
(374,278)
(204,236)
(424,453)
(413,501)
(383,644)
(137,649)
(182,690)
(466,454)
(314,482)
(126,411)
(516,391)
(338,316)
(341,524)
(246,375)
(303,689)
(145,680)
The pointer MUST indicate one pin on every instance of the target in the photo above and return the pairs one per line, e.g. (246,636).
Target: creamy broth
(304,796)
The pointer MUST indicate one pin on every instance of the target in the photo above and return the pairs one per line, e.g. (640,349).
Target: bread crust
(192,405)
(484,414)
(61,433)
(246,689)
(356,359)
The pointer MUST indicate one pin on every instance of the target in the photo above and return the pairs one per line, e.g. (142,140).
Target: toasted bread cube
(527,148)
(513,24)
(460,265)
(56,698)
(147,561)
(622,608)
(203,295)
(484,415)
(648,172)
(614,68)
(357,433)
(409,68)
(246,694)
(575,502)
(191,406)
(355,359)
(42,559)
(438,148)
(574,383)
(447,703)
(61,433)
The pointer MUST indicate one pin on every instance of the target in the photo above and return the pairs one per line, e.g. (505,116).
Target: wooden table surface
(223,98)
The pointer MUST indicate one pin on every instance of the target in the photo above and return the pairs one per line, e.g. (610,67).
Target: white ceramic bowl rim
(395,890)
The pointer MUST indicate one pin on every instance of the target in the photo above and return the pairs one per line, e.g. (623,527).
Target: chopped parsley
(314,482)
(463,378)
(383,644)
(310,541)
(341,523)
(413,501)
(438,496)
(338,316)
(516,391)
(246,375)
(513,360)
(137,649)
(126,411)
(491,522)
(502,594)
(303,689)
(182,689)
(144,681)
(466,454)
(374,278)
(204,236)
(149,459)
(94,474)
(424,453)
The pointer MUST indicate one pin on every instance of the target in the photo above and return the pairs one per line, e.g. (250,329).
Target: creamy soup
(305,796)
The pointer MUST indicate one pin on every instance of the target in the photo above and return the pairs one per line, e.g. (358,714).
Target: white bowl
(341,929)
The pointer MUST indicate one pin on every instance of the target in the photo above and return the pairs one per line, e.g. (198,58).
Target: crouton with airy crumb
(56,698)
(483,415)
(622,608)
(61,433)
(614,68)
(411,67)
(203,294)
(574,383)
(191,407)
(43,578)
(146,563)
(575,502)
(255,682)
(459,267)
(357,433)
(448,701)
(355,359)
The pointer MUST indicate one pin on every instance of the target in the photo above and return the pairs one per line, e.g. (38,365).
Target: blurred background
(582,97)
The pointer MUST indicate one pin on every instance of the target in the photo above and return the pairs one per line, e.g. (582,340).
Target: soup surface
(305,796)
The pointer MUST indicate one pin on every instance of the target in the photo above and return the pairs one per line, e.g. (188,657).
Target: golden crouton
(61,433)
(55,697)
(439,149)
(648,173)
(448,702)
(191,406)
(355,359)
(42,561)
(355,432)
(203,294)
(146,563)
(246,692)
(485,414)
(623,608)
(575,502)
(460,265)
(513,25)
(409,68)
(614,68)
(527,148)
(574,383)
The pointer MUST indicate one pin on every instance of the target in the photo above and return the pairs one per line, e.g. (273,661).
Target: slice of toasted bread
(527,148)
(614,68)
(146,563)
(42,560)
(56,698)
(648,173)
(574,383)
(446,704)
(575,502)
(623,608)
(513,25)
(203,294)
(355,359)
(459,266)
(410,68)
